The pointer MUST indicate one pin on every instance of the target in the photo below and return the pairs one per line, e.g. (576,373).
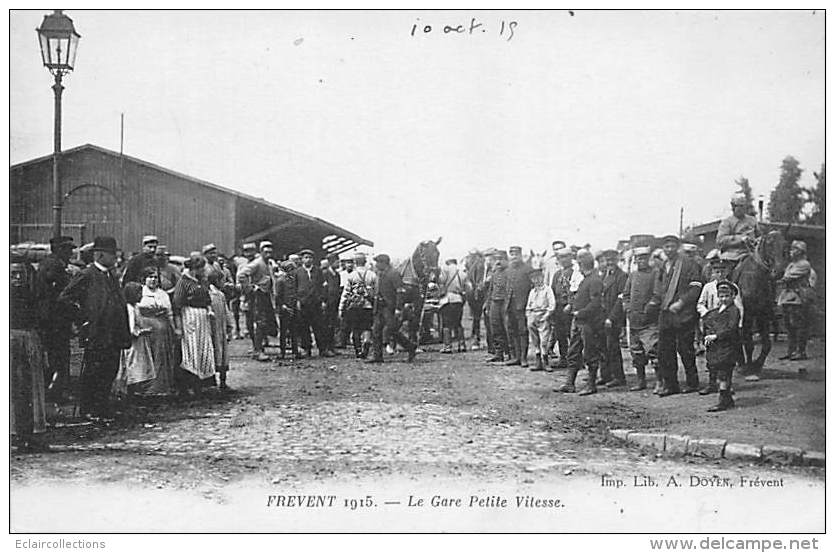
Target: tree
(787,198)
(817,198)
(744,188)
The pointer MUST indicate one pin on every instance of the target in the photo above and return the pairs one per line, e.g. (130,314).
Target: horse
(755,275)
(416,272)
(475,266)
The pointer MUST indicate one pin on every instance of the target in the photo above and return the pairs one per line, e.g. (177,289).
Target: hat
(689,247)
(731,255)
(563,252)
(306,252)
(248,246)
(670,238)
(490,251)
(712,254)
(691,238)
(209,247)
(597,254)
(332,256)
(719,262)
(609,254)
(265,244)
(501,254)
(148,238)
(517,249)
(359,255)
(799,244)
(382,258)
(104,244)
(162,250)
(738,199)
(727,285)
(61,241)
(288,266)
(641,250)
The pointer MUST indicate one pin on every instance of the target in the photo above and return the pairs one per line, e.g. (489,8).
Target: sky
(585,128)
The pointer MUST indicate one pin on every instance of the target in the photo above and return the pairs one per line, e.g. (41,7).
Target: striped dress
(191,302)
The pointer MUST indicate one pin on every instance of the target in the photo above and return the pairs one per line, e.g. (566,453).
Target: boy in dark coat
(722,340)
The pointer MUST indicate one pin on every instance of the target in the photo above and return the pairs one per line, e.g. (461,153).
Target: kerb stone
(646,439)
(711,448)
(782,455)
(743,452)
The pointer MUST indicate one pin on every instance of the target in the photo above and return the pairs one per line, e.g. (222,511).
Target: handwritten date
(506,29)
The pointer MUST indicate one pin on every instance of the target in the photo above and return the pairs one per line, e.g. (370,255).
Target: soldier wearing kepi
(497,299)
(518,287)
(388,303)
(587,326)
(256,281)
(614,280)
(642,312)
(737,233)
(796,297)
(136,265)
(55,320)
(677,290)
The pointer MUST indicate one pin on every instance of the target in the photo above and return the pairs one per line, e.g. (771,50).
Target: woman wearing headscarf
(192,319)
(156,314)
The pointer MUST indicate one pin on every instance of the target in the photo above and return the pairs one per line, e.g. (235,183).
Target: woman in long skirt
(27,409)
(136,366)
(156,315)
(221,328)
(192,319)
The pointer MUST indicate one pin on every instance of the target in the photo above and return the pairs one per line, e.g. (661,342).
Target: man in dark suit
(332,292)
(677,291)
(55,320)
(104,325)
(311,303)
(518,287)
(614,280)
(138,263)
(387,305)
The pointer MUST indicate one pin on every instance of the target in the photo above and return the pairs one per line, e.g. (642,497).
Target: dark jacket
(309,288)
(518,285)
(498,284)
(638,302)
(588,300)
(725,325)
(102,311)
(136,265)
(687,289)
(613,284)
(285,292)
(388,295)
(560,286)
(52,278)
(330,287)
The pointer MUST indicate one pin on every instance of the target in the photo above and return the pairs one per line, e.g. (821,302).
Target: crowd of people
(149,327)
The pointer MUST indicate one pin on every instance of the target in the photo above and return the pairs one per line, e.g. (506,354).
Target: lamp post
(59,43)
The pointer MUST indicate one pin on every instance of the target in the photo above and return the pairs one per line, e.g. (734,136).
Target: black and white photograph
(464,271)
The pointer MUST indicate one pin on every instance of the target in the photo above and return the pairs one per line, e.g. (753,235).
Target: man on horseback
(738,232)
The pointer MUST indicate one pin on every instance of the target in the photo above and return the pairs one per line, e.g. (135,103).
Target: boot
(692,383)
(498,357)
(515,353)
(538,366)
(711,387)
(568,387)
(447,333)
(523,351)
(591,385)
(642,380)
(546,366)
(726,401)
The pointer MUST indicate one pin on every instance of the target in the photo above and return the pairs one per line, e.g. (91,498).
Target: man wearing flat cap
(311,304)
(388,302)
(614,280)
(104,330)
(55,320)
(332,292)
(518,287)
(737,233)
(561,285)
(255,280)
(677,289)
(497,295)
(213,265)
(137,264)
(642,311)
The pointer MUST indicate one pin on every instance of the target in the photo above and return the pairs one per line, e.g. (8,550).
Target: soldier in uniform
(518,287)
(796,297)
(137,264)
(55,320)
(677,290)
(561,320)
(642,312)
(737,232)
(497,300)
(256,281)
(614,280)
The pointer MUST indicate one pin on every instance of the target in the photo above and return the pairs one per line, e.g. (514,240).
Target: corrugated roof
(334,228)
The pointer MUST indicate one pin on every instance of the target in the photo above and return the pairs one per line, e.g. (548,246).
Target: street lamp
(59,43)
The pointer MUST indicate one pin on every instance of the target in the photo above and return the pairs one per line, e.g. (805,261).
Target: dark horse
(476,269)
(416,272)
(756,274)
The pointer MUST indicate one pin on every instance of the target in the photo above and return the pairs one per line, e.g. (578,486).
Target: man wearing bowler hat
(55,320)
(677,290)
(614,280)
(104,326)
(147,258)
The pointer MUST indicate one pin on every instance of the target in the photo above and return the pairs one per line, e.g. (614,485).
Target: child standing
(708,300)
(221,327)
(137,363)
(540,307)
(721,328)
